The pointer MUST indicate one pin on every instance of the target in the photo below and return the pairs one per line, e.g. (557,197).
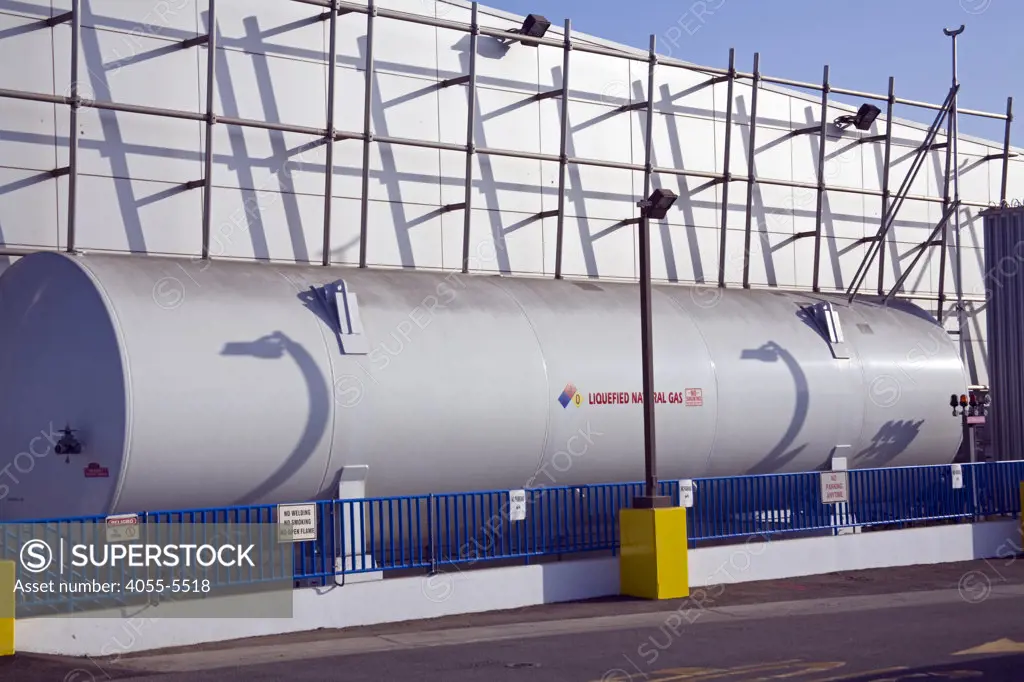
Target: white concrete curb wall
(476,591)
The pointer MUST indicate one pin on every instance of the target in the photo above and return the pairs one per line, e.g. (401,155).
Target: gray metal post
(726,175)
(751,177)
(1006,150)
(563,149)
(474,37)
(944,237)
(961,310)
(364,220)
(332,61)
(821,180)
(954,158)
(211,119)
(651,498)
(886,193)
(76,43)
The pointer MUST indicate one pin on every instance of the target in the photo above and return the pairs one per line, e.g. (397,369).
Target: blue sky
(863,41)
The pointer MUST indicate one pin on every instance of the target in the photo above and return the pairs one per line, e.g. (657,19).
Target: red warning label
(94,470)
(694,397)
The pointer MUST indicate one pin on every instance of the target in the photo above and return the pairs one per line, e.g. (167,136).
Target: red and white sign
(694,397)
(122,528)
(94,470)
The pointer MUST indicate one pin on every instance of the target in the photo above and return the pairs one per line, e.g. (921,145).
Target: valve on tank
(68,445)
(953,402)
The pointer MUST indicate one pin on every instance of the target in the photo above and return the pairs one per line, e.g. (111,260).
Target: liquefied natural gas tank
(207,384)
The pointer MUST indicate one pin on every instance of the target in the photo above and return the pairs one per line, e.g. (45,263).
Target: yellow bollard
(7,573)
(653,553)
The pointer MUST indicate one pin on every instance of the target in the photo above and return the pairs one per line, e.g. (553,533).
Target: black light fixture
(657,205)
(862,120)
(534,26)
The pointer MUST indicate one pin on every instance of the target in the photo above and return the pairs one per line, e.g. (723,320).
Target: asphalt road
(860,635)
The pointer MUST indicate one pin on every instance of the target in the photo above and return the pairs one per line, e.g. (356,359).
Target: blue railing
(426,533)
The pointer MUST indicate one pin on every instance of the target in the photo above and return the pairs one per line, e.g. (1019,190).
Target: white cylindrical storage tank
(196,384)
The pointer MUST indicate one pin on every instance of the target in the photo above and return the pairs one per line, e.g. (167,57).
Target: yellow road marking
(1000,646)
(785,669)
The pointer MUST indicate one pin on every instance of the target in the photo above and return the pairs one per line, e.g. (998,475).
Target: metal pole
(961,320)
(726,176)
(470,137)
(332,61)
(821,180)
(751,178)
(367,133)
(211,119)
(563,149)
(651,498)
(886,194)
(961,311)
(946,201)
(1006,150)
(76,41)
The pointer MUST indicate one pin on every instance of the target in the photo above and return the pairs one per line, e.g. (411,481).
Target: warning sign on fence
(296,522)
(835,487)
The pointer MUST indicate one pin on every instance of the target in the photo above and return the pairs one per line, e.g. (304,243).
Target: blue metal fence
(430,532)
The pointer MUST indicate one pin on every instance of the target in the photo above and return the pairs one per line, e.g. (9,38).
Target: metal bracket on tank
(343,306)
(828,317)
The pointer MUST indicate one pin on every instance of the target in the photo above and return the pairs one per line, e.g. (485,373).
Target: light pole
(655,207)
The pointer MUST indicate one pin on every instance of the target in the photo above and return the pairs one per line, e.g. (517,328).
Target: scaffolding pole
(823,133)
(364,209)
(726,175)
(886,194)
(1006,151)
(470,138)
(332,60)
(751,175)
(211,120)
(563,148)
(76,103)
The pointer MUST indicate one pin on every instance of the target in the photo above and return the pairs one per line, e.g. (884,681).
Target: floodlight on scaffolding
(862,120)
(657,205)
(534,26)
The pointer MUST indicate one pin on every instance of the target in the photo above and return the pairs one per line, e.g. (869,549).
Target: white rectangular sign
(835,487)
(296,522)
(122,528)
(958,476)
(517,505)
(686,493)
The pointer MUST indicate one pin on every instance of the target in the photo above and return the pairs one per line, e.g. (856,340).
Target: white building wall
(268,186)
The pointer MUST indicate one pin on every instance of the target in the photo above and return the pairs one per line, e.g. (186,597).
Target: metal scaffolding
(329,135)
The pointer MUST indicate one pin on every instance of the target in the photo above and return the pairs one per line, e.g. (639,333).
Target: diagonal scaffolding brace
(901,196)
(928,243)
